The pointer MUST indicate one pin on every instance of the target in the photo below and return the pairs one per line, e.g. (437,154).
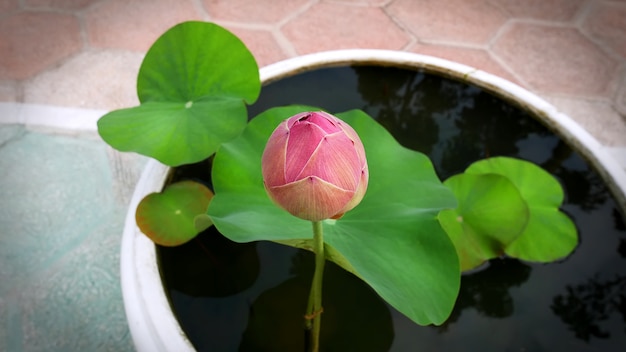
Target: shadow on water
(455,124)
(575,304)
(487,291)
(355,318)
(586,307)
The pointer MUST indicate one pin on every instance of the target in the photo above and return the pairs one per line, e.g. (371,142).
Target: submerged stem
(313,318)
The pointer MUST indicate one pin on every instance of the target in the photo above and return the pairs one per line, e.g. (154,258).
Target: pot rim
(150,318)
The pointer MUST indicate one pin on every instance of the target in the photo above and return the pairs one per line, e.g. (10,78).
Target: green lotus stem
(313,317)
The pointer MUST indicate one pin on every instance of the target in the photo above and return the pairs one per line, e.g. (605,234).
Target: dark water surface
(251,297)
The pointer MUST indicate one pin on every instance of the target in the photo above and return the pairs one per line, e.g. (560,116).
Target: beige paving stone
(362,2)
(620,99)
(253,11)
(477,58)
(555,59)
(134,25)
(94,79)
(7,6)
(261,43)
(8,92)
(33,41)
(550,10)
(453,21)
(597,117)
(318,29)
(606,22)
(59,4)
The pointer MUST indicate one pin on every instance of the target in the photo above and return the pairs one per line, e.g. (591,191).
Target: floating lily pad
(550,234)
(490,216)
(193,85)
(176,215)
(392,239)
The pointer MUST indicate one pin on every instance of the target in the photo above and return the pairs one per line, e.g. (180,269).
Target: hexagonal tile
(78,306)
(261,43)
(59,4)
(477,58)
(319,29)
(606,22)
(620,99)
(556,59)
(10,133)
(454,21)
(3,322)
(595,116)
(111,77)
(8,91)
(551,10)
(47,233)
(135,25)
(7,6)
(33,41)
(253,11)
(362,2)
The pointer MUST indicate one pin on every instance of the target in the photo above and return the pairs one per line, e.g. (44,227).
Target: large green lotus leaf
(549,234)
(391,240)
(490,216)
(176,215)
(193,85)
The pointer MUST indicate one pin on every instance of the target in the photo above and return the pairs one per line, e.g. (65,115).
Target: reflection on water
(220,309)
(575,304)
(585,187)
(355,318)
(452,123)
(211,266)
(488,290)
(586,307)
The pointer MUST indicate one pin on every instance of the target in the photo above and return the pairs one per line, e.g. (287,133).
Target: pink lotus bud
(314,166)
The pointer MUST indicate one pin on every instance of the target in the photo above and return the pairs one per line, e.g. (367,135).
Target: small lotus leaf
(490,216)
(176,215)
(550,234)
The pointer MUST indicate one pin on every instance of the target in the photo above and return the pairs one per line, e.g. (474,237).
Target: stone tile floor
(63,63)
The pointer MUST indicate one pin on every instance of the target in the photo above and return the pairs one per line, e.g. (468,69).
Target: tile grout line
(413,38)
(283,42)
(201,10)
(506,26)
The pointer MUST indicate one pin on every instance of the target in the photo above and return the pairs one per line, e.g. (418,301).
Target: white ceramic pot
(150,318)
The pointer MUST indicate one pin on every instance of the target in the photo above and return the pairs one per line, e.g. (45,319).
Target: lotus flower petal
(311,198)
(335,161)
(304,139)
(273,161)
(358,195)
